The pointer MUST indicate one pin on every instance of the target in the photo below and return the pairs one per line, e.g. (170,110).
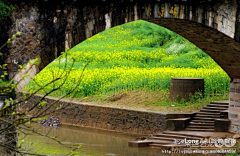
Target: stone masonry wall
(27,45)
(234,106)
(107,118)
(220,15)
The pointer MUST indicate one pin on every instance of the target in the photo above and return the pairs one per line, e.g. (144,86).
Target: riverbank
(157,101)
(102,117)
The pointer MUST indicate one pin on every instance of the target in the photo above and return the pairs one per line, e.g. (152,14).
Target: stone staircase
(200,127)
(171,138)
(178,141)
(165,140)
(204,120)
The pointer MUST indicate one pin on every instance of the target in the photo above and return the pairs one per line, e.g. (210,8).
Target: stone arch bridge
(48,28)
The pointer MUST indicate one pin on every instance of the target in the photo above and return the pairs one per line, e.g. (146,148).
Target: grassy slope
(134,56)
(159,47)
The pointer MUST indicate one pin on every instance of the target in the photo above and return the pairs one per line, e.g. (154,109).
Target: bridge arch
(220,47)
(183,17)
(213,26)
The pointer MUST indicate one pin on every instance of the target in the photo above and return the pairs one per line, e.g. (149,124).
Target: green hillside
(134,56)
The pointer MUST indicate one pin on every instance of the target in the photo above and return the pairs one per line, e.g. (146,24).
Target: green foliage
(42,103)
(5,9)
(134,56)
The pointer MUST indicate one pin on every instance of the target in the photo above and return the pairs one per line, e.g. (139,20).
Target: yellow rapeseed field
(134,56)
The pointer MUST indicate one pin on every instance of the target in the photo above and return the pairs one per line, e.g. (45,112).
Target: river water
(92,141)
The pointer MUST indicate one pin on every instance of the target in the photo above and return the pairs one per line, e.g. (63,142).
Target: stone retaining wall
(234,106)
(101,117)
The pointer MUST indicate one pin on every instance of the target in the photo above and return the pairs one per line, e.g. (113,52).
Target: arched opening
(133,63)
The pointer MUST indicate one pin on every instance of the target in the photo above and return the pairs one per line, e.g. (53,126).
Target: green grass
(134,56)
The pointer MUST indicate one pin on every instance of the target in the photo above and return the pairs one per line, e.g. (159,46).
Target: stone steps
(185,134)
(201,126)
(161,138)
(210,110)
(202,121)
(199,129)
(205,118)
(224,114)
(167,138)
(175,136)
(215,108)
(147,142)
(204,124)
(218,105)
(207,115)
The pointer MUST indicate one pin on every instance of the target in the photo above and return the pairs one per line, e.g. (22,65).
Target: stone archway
(178,16)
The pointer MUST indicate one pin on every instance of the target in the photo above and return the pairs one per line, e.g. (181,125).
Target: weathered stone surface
(108,118)
(235,128)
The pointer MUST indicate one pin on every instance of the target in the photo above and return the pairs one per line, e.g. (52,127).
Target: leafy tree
(5,9)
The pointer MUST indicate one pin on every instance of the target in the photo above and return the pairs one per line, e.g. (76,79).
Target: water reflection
(94,142)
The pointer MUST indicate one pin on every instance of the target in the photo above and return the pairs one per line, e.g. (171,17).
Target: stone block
(222,125)
(235,128)
(234,96)
(220,18)
(234,110)
(235,121)
(215,25)
(219,26)
(211,14)
(177,124)
(232,116)
(231,24)
(210,22)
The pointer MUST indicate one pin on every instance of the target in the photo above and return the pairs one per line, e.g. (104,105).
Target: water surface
(93,142)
